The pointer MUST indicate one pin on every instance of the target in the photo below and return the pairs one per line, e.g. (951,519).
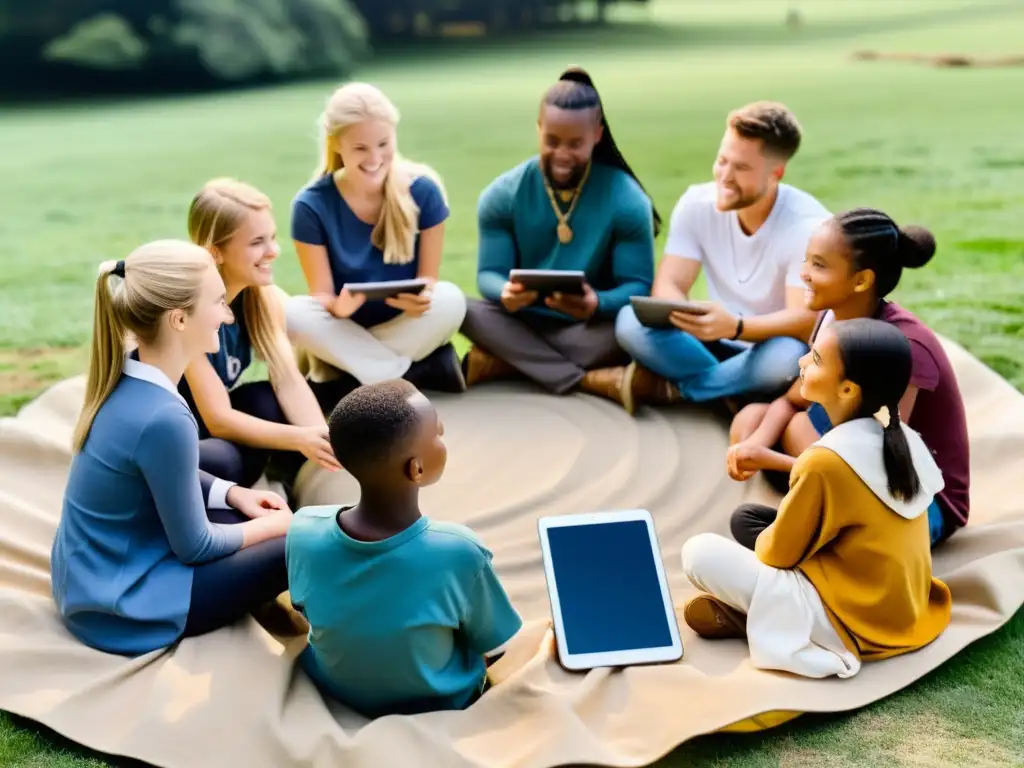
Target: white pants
(787,626)
(384,351)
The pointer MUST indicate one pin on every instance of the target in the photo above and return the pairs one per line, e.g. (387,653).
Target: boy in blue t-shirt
(405,613)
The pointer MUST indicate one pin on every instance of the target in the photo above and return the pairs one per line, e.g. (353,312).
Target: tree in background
(89,45)
(393,20)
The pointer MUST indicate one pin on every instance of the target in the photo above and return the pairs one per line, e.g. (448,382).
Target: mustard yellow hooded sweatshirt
(867,554)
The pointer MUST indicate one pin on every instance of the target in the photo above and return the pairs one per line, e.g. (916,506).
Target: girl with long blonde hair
(371,215)
(148,546)
(244,425)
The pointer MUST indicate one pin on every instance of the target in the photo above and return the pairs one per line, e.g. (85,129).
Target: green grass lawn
(938,147)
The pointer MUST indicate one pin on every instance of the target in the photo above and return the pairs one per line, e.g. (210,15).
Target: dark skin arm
(754,454)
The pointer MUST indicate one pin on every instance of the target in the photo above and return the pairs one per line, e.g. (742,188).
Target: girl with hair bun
(853,261)
(842,573)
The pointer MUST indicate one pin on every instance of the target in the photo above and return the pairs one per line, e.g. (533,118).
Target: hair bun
(577,75)
(916,246)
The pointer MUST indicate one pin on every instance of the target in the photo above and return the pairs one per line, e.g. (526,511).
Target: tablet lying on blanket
(548,281)
(387,289)
(654,313)
(610,600)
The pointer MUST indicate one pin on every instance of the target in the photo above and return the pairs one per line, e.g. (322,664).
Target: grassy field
(929,145)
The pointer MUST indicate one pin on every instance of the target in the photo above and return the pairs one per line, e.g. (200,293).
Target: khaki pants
(384,351)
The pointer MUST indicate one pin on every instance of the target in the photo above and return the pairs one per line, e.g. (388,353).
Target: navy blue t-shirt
(320,216)
(235,353)
(230,361)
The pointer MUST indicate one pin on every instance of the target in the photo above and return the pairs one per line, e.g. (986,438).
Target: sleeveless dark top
(230,361)
(235,353)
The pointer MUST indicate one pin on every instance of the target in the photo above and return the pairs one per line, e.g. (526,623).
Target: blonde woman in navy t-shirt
(246,425)
(370,215)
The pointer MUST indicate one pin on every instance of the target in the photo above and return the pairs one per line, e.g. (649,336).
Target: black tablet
(387,289)
(654,313)
(548,281)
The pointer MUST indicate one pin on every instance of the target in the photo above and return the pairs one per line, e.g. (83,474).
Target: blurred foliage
(241,40)
(105,41)
(169,44)
(403,19)
(86,46)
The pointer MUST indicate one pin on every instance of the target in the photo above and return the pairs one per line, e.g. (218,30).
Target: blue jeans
(710,370)
(936,522)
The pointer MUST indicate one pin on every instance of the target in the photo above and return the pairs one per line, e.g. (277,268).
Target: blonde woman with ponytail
(148,546)
(258,426)
(370,215)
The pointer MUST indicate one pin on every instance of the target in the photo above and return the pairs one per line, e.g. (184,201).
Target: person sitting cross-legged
(748,231)
(575,206)
(841,574)
(372,215)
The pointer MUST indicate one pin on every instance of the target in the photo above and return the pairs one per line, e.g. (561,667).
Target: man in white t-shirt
(749,233)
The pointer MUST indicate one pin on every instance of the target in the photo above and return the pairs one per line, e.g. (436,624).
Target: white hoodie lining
(859,443)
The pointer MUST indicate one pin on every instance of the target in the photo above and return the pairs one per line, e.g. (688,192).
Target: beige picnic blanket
(234,697)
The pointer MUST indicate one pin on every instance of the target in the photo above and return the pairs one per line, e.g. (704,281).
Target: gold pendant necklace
(564,230)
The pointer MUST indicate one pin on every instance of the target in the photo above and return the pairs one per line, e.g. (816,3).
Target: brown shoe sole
(628,401)
(712,619)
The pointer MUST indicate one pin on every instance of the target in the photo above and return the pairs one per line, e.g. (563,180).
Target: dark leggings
(243,464)
(749,520)
(225,590)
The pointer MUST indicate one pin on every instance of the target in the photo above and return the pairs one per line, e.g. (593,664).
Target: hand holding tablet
(548,281)
(515,297)
(387,289)
(610,601)
(414,304)
(657,313)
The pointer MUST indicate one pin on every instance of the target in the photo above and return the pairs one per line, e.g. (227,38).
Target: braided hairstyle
(574,91)
(876,356)
(877,243)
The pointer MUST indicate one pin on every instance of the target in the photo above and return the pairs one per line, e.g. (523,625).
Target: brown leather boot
(650,388)
(480,365)
(610,383)
(712,619)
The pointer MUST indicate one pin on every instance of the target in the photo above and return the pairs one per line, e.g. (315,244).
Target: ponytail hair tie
(119,269)
(894,417)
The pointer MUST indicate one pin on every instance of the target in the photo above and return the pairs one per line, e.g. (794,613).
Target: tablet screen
(608,588)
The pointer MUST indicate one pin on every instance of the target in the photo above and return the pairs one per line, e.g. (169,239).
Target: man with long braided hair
(576,205)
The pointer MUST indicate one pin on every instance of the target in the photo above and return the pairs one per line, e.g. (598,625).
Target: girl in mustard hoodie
(844,573)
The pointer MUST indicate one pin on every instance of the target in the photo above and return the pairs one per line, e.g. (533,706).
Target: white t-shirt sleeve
(683,238)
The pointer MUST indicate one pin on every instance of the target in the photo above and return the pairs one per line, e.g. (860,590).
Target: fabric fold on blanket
(515,454)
